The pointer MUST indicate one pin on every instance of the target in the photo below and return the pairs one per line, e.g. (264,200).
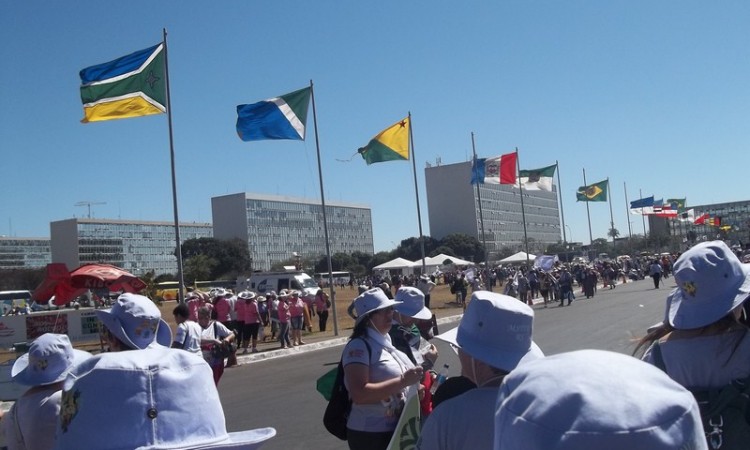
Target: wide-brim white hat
(370,301)
(711,282)
(165,399)
(412,303)
(497,330)
(48,361)
(136,321)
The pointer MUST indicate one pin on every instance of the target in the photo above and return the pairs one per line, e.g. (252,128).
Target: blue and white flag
(642,206)
(283,117)
(545,262)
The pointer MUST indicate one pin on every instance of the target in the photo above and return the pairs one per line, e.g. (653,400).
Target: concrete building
(733,224)
(275,227)
(135,246)
(24,253)
(453,207)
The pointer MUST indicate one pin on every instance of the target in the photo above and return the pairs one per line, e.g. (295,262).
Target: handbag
(224,349)
(339,405)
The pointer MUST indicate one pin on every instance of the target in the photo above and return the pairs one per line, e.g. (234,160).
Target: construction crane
(88,203)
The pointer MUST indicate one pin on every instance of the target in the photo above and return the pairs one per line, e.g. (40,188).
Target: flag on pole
(701,219)
(642,206)
(498,170)
(391,144)
(714,221)
(282,117)
(687,216)
(537,179)
(131,86)
(596,192)
(678,204)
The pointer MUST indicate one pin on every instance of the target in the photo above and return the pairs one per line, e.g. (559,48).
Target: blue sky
(651,94)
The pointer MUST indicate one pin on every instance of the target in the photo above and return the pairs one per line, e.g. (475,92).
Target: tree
(199,267)
(228,257)
(465,246)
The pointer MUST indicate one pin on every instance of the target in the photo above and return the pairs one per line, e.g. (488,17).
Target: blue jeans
(284,334)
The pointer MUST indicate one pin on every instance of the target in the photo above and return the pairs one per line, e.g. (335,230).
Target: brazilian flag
(596,192)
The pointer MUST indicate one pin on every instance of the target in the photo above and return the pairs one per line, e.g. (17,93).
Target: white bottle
(440,378)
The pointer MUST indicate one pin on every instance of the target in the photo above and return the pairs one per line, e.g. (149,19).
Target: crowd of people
(509,395)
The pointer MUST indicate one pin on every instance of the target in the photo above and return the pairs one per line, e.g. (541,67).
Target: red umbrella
(66,286)
(100,276)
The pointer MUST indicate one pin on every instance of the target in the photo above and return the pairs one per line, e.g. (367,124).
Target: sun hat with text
(158,398)
(412,303)
(370,301)
(495,329)
(595,399)
(711,282)
(48,361)
(136,321)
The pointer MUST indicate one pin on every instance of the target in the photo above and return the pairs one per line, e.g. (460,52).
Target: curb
(312,346)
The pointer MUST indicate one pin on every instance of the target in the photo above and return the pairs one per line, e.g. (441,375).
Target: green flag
(596,192)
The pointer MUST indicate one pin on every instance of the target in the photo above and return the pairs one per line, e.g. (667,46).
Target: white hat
(136,321)
(412,303)
(370,301)
(158,398)
(48,361)
(495,329)
(246,295)
(594,399)
(711,282)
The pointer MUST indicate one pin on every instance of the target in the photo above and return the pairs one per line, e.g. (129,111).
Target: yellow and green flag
(392,144)
(596,192)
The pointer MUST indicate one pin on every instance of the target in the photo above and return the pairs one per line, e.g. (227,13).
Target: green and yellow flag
(392,144)
(596,192)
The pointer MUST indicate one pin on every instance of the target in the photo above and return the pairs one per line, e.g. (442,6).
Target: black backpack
(725,411)
(340,405)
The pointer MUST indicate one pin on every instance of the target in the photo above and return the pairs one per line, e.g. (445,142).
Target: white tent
(398,263)
(440,259)
(519,257)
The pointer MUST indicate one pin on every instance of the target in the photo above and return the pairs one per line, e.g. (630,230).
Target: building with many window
(135,246)
(276,227)
(24,253)
(453,204)
(730,222)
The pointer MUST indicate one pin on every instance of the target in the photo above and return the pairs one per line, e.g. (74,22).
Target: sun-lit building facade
(136,246)
(24,252)
(453,207)
(277,227)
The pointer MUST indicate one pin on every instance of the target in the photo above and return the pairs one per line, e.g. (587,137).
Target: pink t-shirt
(222,310)
(194,305)
(284,314)
(297,308)
(251,312)
(239,308)
(320,303)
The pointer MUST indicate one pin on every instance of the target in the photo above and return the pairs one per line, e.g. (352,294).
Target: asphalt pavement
(277,388)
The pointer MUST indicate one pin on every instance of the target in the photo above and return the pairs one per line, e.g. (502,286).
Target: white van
(265,282)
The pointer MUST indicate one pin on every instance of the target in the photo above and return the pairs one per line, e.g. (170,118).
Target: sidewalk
(314,341)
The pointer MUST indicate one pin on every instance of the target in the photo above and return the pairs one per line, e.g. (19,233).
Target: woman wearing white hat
(31,421)
(702,343)
(377,375)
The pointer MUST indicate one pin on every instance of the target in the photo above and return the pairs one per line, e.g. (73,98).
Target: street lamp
(570,233)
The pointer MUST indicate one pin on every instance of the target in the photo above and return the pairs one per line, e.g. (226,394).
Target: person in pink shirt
(284,319)
(251,320)
(222,308)
(297,311)
(195,300)
(322,303)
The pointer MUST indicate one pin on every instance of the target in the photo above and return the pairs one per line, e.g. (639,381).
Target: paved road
(281,392)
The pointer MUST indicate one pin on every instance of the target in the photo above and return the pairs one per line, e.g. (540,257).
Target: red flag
(701,220)
(508,168)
